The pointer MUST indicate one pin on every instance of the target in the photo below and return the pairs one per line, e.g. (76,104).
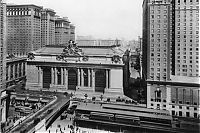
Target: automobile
(49,111)
(71,109)
(85,116)
(63,116)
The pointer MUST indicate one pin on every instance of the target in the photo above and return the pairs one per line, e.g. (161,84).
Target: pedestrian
(64,128)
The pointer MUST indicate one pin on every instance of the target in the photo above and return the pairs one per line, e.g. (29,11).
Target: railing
(53,117)
(28,116)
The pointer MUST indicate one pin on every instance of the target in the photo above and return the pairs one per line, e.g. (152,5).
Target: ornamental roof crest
(70,50)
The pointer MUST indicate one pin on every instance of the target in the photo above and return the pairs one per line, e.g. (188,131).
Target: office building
(62,31)
(47,27)
(186,48)
(24,29)
(170,55)
(157,29)
(182,38)
(3,95)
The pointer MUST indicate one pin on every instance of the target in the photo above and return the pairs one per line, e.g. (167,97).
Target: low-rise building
(15,78)
(15,72)
(181,96)
(93,69)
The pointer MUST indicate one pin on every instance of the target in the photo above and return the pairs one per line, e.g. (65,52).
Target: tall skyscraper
(186,38)
(170,38)
(47,27)
(157,29)
(171,55)
(2,59)
(62,31)
(24,29)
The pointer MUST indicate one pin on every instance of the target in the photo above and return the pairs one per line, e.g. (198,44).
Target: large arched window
(158,95)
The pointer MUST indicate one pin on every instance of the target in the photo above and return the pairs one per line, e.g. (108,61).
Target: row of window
(187,102)
(187,66)
(187,74)
(187,1)
(180,113)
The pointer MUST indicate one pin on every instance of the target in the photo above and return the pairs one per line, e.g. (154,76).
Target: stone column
(17,65)
(89,77)
(22,69)
(52,76)
(66,77)
(148,95)
(82,77)
(198,95)
(78,77)
(8,72)
(93,80)
(168,96)
(14,71)
(62,77)
(56,76)
(40,75)
(107,78)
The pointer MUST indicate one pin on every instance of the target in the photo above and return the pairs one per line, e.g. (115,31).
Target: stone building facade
(180,97)
(93,69)
(24,29)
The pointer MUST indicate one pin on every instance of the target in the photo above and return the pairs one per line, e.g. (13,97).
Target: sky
(102,19)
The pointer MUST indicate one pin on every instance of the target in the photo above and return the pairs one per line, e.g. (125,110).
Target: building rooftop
(28,5)
(97,108)
(13,59)
(179,81)
(88,51)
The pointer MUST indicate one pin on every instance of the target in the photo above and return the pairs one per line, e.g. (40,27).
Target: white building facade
(93,69)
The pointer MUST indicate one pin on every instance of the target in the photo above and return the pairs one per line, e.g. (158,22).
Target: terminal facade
(90,68)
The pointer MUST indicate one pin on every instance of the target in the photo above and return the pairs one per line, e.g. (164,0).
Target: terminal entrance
(72,79)
(100,80)
(46,77)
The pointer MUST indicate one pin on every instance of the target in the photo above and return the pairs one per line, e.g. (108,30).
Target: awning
(33,99)
(44,100)
(20,98)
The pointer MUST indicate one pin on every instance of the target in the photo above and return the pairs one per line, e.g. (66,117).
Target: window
(173,112)
(158,95)
(195,115)
(180,113)
(187,114)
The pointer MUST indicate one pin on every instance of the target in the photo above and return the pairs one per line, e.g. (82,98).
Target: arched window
(158,95)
